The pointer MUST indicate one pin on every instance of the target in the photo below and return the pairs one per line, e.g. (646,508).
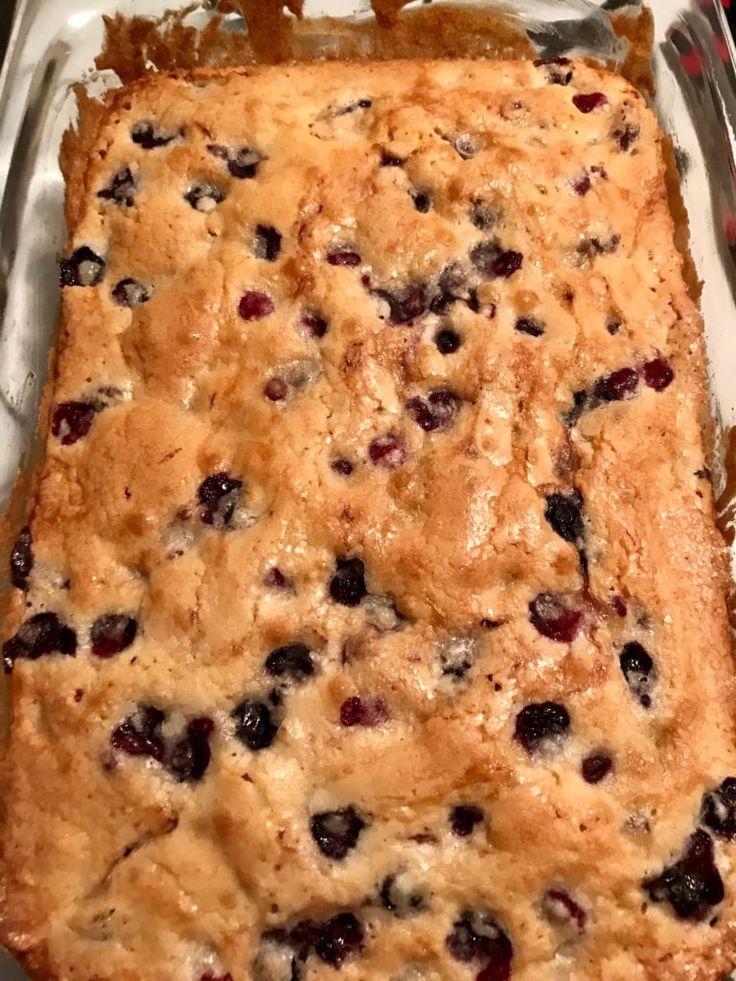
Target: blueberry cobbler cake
(369,621)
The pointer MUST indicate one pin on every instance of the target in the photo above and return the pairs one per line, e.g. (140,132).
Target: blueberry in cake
(369,619)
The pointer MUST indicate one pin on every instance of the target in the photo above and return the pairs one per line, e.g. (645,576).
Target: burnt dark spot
(541,723)
(292,662)
(41,634)
(638,669)
(21,559)
(436,412)
(121,189)
(112,633)
(254,724)
(130,293)
(147,135)
(82,268)
(140,733)
(190,756)
(218,496)
(336,832)
(464,818)
(267,243)
(347,585)
(718,809)
(692,885)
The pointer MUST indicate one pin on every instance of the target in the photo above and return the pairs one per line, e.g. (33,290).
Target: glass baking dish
(53,45)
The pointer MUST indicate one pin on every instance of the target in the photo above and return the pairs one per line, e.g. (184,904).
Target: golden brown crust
(540,234)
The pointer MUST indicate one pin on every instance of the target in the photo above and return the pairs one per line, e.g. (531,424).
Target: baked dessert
(370,618)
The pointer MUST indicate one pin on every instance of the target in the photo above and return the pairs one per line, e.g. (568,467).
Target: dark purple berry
(82,268)
(465,144)
(718,809)
(347,585)
(254,305)
(190,756)
(692,885)
(587,102)
(353,107)
(658,374)
(553,619)
(436,413)
(581,185)
(558,72)
(242,163)
(121,189)
(625,136)
(21,559)
(638,669)
(369,712)
(422,200)
(140,733)
(390,159)
(267,243)
(204,196)
(400,898)
(476,936)
(254,724)
(276,390)
(72,421)
(211,976)
(342,467)
(530,326)
(589,248)
(464,818)
(447,340)
(387,451)
(275,579)
(493,262)
(43,633)
(617,386)
(148,137)
(484,216)
(218,496)
(539,722)
(316,324)
(619,605)
(565,515)
(580,401)
(343,257)
(130,293)
(293,662)
(338,938)
(112,633)
(457,654)
(405,306)
(336,832)
(613,325)
(596,766)
(561,909)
